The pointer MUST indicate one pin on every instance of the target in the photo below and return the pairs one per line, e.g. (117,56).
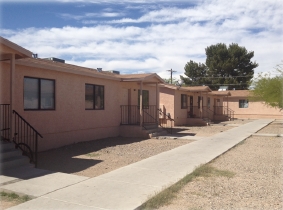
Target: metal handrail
(5,122)
(167,117)
(130,114)
(26,138)
(222,110)
(149,115)
(208,112)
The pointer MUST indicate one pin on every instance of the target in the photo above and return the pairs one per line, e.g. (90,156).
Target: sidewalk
(129,186)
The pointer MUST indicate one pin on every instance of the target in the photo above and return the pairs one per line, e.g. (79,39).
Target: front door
(191,106)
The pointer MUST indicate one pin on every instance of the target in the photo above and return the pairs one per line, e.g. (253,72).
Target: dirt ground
(97,157)
(257,184)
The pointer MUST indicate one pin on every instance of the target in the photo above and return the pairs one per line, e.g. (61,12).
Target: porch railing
(26,137)
(149,114)
(200,112)
(130,114)
(5,122)
(165,121)
(194,112)
(224,110)
(207,114)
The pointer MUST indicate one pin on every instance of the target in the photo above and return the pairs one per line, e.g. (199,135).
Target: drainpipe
(141,114)
(12,89)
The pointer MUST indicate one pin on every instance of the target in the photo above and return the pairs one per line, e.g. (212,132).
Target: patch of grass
(92,154)
(167,195)
(242,142)
(14,197)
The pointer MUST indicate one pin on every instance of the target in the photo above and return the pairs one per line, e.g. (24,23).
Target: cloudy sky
(141,36)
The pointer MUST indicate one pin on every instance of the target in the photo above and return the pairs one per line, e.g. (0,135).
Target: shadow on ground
(64,158)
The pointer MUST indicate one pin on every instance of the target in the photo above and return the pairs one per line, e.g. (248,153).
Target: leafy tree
(269,89)
(224,66)
(196,73)
(174,80)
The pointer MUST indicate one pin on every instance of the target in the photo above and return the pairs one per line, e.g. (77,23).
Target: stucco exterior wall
(255,110)
(180,114)
(70,123)
(4,84)
(166,101)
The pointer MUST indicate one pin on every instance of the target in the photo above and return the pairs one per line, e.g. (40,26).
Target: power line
(218,84)
(229,77)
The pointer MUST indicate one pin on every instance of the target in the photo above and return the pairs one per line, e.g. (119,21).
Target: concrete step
(154,130)
(9,153)
(11,157)
(160,133)
(150,126)
(6,145)
(14,162)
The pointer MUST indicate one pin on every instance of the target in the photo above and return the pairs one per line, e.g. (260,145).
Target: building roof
(197,89)
(7,47)
(147,78)
(240,93)
(74,69)
(188,89)
(220,93)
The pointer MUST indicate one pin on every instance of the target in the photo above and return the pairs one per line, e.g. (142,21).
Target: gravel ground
(98,157)
(94,158)
(257,184)
(275,128)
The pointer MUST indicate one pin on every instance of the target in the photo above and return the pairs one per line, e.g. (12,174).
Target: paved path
(128,187)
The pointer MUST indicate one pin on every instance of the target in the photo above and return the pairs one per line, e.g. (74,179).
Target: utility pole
(171,73)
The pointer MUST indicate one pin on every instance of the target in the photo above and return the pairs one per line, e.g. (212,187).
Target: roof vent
(99,69)
(55,59)
(114,72)
(223,88)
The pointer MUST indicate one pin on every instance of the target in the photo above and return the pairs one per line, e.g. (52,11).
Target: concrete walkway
(128,187)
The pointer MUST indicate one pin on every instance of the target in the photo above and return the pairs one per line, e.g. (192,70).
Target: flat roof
(189,88)
(220,93)
(74,69)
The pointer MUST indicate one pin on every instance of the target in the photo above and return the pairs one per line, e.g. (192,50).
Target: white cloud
(91,15)
(174,36)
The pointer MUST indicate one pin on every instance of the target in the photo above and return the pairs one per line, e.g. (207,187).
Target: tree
(224,66)
(174,80)
(196,73)
(269,89)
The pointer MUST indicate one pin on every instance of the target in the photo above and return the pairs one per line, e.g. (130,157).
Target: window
(39,94)
(145,99)
(184,101)
(243,103)
(94,97)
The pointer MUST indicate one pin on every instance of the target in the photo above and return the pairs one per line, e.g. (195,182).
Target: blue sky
(141,36)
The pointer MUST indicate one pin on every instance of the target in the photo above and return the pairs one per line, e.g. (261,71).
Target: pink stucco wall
(70,122)
(255,110)
(166,101)
(171,100)
(4,85)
